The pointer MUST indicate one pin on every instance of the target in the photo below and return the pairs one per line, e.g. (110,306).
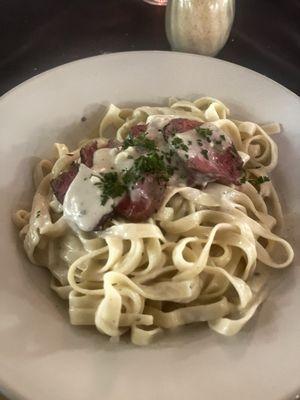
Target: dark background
(36,35)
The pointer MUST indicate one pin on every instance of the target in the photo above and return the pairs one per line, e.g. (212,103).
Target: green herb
(170,153)
(255,181)
(204,153)
(111,186)
(218,141)
(190,142)
(222,137)
(139,141)
(199,142)
(260,179)
(38,213)
(204,133)
(153,163)
(178,144)
(167,156)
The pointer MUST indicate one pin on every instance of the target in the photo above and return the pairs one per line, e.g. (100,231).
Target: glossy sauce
(104,159)
(82,204)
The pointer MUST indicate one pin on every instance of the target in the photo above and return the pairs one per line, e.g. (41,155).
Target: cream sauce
(82,203)
(154,130)
(104,159)
(125,159)
(191,138)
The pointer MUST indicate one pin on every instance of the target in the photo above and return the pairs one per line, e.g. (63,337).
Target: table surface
(38,35)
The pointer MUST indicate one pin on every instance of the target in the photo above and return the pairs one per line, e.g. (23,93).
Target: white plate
(41,355)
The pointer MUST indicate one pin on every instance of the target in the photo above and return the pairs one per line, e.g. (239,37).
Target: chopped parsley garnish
(222,137)
(38,213)
(218,141)
(139,141)
(168,155)
(111,186)
(261,179)
(152,163)
(204,133)
(178,144)
(204,153)
(256,181)
(190,142)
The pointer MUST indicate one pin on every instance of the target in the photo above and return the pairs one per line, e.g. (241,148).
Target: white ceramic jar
(199,26)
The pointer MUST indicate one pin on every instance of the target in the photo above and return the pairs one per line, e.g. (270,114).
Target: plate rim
(60,67)
(5,388)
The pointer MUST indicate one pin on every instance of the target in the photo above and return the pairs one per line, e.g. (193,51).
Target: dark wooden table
(38,35)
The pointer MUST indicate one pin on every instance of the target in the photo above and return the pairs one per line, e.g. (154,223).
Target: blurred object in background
(199,26)
(157,2)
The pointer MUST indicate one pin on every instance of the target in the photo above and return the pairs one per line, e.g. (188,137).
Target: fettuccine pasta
(194,259)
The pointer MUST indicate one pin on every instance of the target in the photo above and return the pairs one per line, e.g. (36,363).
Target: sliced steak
(61,183)
(143,199)
(179,125)
(87,153)
(207,152)
(137,130)
(222,166)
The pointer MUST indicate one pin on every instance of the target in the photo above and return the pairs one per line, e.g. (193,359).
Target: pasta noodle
(194,260)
